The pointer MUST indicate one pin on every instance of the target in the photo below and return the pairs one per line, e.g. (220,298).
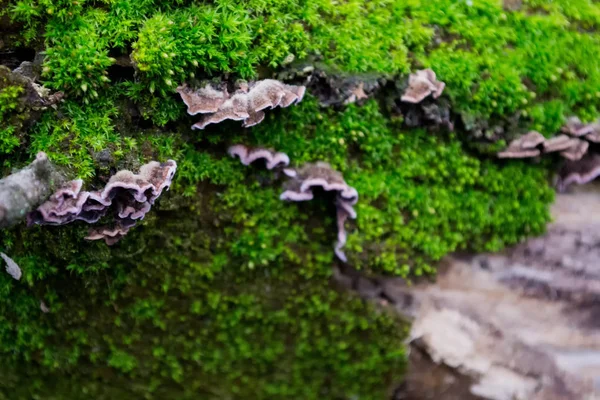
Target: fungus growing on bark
(248,155)
(558,143)
(524,146)
(130,195)
(575,127)
(577,149)
(204,100)
(26,189)
(11,267)
(110,235)
(579,172)
(300,188)
(246,104)
(422,84)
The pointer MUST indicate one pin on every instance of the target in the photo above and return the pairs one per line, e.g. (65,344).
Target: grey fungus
(579,172)
(576,151)
(524,146)
(421,84)
(321,175)
(557,143)
(248,155)
(130,196)
(534,144)
(110,234)
(11,267)
(246,104)
(575,127)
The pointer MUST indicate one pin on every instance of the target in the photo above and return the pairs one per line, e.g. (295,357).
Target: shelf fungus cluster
(249,155)
(320,175)
(302,181)
(578,172)
(247,103)
(534,144)
(127,195)
(421,84)
(580,166)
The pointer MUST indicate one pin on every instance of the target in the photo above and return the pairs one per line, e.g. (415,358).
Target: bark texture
(24,190)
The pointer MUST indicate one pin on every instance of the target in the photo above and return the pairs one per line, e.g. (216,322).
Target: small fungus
(575,127)
(422,84)
(246,104)
(110,235)
(11,267)
(300,188)
(132,196)
(249,155)
(558,143)
(579,172)
(524,146)
(576,150)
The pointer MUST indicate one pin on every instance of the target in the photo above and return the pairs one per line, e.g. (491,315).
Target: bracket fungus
(248,155)
(524,146)
(309,176)
(246,103)
(110,235)
(534,144)
(575,127)
(577,149)
(11,267)
(579,172)
(422,84)
(130,195)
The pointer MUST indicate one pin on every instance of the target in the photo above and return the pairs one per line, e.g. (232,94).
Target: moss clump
(13,111)
(422,196)
(176,311)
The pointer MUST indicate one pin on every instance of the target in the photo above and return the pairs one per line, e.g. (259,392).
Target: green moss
(12,112)
(175,311)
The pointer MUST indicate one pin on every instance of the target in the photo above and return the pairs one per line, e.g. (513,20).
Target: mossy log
(223,291)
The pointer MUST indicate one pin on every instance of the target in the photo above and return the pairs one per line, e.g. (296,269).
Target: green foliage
(496,62)
(80,131)
(13,112)
(422,196)
(175,311)
(9,101)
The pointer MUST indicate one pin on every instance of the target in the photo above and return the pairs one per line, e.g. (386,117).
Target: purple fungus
(245,104)
(576,150)
(558,143)
(524,146)
(422,84)
(579,172)
(575,127)
(321,175)
(129,196)
(248,155)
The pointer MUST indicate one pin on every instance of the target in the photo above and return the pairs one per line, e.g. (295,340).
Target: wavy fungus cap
(130,196)
(309,176)
(248,155)
(246,104)
(422,84)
